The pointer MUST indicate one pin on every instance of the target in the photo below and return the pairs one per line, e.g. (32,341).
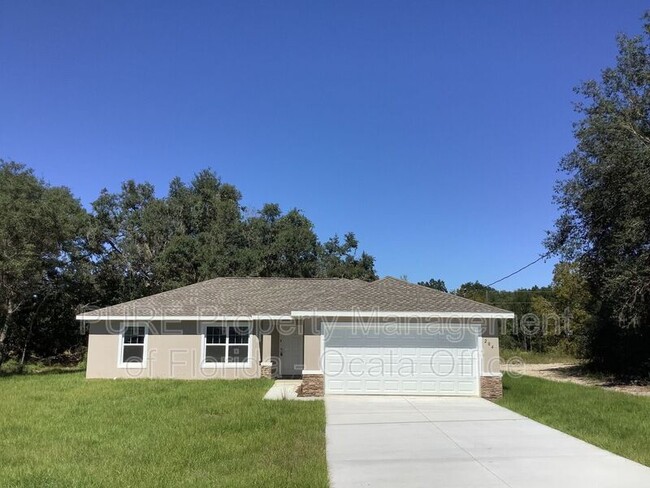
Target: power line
(543,256)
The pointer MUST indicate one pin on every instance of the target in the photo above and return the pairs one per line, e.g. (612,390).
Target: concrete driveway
(460,442)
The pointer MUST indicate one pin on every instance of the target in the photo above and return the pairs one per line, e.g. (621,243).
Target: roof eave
(388,314)
(201,318)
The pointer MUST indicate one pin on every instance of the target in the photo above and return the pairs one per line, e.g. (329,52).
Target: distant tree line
(552,318)
(56,257)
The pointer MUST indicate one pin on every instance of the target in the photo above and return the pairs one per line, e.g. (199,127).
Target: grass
(61,430)
(12,367)
(617,422)
(532,357)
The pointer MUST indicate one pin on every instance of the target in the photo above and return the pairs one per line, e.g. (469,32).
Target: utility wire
(543,256)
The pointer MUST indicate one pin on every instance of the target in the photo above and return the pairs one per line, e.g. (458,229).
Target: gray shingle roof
(281,296)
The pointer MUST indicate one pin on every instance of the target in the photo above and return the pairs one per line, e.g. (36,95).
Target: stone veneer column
(266,370)
(313,385)
(266,366)
(491,387)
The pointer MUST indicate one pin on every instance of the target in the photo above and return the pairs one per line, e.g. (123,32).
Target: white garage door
(401,360)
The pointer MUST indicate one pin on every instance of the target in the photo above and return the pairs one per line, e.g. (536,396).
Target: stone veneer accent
(267,371)
(491,387)
(313,385)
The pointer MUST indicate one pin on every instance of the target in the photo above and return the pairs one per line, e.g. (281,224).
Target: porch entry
(291,354)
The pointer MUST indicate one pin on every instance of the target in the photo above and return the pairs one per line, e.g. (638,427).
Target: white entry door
(291,346)
(401,360)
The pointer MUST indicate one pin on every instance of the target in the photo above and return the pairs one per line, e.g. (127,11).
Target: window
(132,352)
(227,344)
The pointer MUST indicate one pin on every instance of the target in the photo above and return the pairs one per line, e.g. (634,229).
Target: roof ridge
(211,280)
(323,278)
(384,280)
(434,291)
(277,295)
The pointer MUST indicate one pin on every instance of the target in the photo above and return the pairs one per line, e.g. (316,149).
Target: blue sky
(431,129)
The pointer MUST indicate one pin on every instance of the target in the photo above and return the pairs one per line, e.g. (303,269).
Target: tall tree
(124,251)
(40,231)
(145,244)
(605,205)
(339,259)
(293,251)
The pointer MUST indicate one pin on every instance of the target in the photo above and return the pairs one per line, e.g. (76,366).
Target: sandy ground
(571,373)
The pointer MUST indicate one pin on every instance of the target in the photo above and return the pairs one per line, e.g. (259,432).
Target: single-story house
(340,336)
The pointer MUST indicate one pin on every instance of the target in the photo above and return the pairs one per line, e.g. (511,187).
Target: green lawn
(61,430)
(617,422)
(532,357)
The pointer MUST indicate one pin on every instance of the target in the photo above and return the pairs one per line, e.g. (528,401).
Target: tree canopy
(435,284)
(55,256)
(605,203)
(41,256)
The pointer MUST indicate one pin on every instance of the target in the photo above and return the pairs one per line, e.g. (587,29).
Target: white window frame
(145,347)
(227,325)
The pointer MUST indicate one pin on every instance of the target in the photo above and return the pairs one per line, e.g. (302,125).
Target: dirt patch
(573,373)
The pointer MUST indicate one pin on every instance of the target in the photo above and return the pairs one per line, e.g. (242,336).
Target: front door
(291,355)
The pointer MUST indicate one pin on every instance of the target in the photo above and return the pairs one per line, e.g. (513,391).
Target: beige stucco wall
(490,360)
(312,352)
(173,351)
(266,347)
(311,344)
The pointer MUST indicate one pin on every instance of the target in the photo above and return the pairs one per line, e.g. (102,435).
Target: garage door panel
(412,362)
(466,386)
(429,386)
(447,386)
(364,337)
(410,386)
(373,385)
(391,385)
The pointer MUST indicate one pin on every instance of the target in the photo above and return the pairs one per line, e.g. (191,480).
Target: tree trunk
(21,367)
(3,337)
(27,340)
